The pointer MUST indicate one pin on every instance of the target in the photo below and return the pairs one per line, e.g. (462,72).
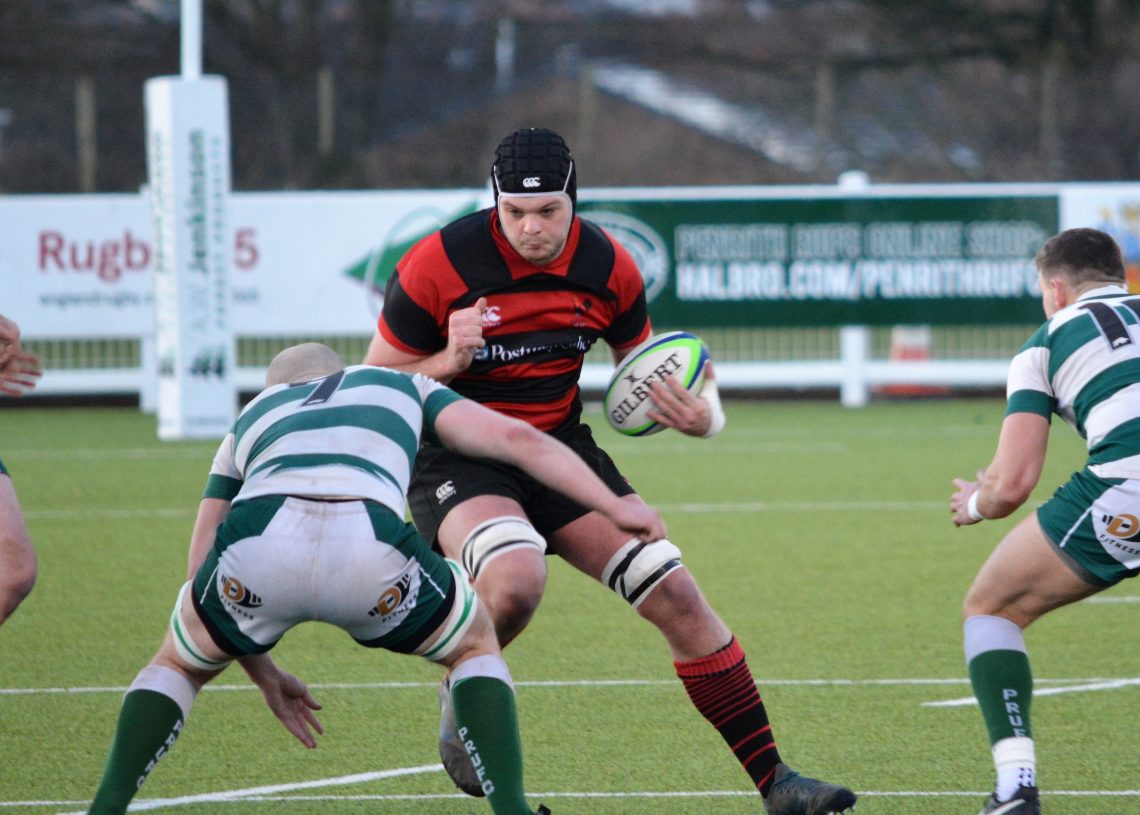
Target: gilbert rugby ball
(676,354)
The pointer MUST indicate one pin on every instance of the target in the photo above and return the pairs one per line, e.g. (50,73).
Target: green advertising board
(857,260)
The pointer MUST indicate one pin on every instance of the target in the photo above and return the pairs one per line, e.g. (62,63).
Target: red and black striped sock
(721,687)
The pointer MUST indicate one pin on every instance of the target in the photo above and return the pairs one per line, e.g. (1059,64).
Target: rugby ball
(675,354)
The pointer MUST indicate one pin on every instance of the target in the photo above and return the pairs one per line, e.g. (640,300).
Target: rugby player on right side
(1084,365)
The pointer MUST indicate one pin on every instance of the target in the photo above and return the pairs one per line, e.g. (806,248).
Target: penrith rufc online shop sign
(316,262)
(859,260)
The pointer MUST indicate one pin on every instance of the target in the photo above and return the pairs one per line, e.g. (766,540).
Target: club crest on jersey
(235,595)
(397,601)
(492,317)
(1119,534)
(580,312)
(1123,526)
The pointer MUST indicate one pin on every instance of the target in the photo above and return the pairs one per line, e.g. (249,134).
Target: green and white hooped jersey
(352,434)
(1084,365)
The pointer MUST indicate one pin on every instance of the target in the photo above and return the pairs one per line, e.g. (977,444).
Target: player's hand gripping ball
(676,354)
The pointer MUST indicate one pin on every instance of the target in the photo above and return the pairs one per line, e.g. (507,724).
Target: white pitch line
(1097,599)
(538,683)
(381,797)
(763,682)
(539,796)
(1108,684)
(249,792)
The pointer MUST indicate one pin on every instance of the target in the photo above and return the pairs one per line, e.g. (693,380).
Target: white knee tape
(496,536)
(638,568)
(184,644)
(458,620)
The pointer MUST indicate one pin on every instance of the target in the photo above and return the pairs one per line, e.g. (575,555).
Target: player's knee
(512,595)
(505,558)
(190,648)
(478,639)
(16,584)
(982,606)
(639,569)
(515,602)
(495,537)
(980,602)
(972,605)
(980,599)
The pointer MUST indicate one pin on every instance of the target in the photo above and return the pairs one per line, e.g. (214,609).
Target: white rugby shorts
(278,561)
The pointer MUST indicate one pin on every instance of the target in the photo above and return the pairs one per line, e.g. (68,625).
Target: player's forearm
(260,668)
(257,666)
(1016,468)
(1000,495)
(990,505)
(211,513)
(439,366)
(549,461)
(474,430)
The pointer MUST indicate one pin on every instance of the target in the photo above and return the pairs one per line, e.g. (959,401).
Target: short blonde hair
(302,362)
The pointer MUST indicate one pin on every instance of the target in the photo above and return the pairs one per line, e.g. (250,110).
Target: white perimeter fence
(77,273)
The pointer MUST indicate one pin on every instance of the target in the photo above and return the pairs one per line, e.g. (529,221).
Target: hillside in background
(416,93)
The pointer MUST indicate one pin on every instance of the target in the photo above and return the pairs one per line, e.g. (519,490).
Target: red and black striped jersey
(540,320)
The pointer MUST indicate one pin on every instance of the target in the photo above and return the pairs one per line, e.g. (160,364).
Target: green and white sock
(485,711)
(154,710)
(1003,685)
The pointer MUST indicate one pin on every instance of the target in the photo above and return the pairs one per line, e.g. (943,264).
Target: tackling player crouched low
(303,519)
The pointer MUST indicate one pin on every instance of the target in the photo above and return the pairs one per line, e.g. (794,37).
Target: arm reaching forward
(1007,483)
(474,430)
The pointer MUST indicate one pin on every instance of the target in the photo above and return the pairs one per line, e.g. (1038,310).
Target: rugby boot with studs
(795,794)
(451,751)
(1025,801)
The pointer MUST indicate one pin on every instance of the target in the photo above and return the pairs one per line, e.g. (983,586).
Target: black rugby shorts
(443,479)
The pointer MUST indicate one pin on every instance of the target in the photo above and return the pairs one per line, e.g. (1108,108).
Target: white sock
(483,665)
(1016,762)
(168,682)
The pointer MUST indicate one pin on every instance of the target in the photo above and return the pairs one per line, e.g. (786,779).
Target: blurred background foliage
(415,93)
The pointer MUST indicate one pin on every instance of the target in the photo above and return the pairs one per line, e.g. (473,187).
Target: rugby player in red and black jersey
(503,305)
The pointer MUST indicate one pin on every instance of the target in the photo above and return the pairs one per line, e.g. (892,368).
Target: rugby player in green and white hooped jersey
(19,371)
(1083,365)
(17,555)
(303,519)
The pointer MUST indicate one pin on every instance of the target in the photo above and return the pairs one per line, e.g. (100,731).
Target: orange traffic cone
(910,343)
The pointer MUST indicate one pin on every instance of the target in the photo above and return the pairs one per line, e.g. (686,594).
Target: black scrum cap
(534,161)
